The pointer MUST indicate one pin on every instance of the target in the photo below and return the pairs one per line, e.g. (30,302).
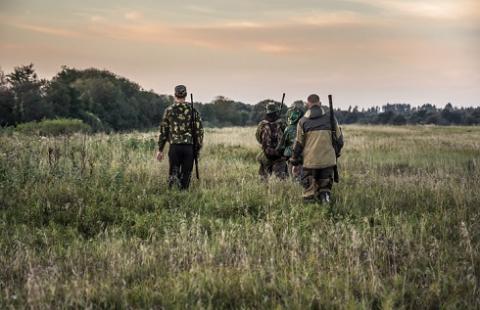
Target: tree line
(108,102)
(405,114)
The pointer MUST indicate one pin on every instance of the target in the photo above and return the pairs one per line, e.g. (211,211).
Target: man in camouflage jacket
(297,107)
(176,128)
(294,114)
(313,146)
(269,134)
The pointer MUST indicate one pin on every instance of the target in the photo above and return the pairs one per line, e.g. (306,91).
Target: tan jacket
(314,139)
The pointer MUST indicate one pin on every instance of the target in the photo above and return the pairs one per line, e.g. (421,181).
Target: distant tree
(64,99)
(386,117)
(7,102)
(433,118)
(353,116)
(451,115)
(399,119)
(226,112)
(208,114)
(29,102)
(401,108)
(258,112)
(105,101)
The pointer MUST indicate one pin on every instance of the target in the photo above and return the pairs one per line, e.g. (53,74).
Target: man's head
(313,100)
(272,108)
(180,92)
(299,104)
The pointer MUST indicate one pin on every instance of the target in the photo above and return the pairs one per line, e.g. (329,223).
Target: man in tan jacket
(313,145)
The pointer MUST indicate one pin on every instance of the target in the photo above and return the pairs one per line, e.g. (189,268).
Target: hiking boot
(325,198)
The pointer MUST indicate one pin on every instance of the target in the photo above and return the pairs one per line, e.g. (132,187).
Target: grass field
(87,221)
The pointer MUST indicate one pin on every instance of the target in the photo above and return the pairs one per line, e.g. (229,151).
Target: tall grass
(87,221)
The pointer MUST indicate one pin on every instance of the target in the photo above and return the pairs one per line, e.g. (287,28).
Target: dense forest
(109,102)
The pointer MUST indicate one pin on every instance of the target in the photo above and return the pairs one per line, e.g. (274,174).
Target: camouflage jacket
(289,139)
(269,134)
(176,126)
(292,110)
(294,114)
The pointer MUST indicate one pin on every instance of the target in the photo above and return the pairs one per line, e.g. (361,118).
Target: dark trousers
(317,181)
(180,157)
(277,168)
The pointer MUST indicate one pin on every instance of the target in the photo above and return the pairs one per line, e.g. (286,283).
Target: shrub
(94,122)
(54,127)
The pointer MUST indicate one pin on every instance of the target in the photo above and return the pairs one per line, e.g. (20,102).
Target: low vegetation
(87,221)
(54,127)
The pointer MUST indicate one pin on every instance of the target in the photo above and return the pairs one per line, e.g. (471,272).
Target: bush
(94,122)
(54,127)
(7,130)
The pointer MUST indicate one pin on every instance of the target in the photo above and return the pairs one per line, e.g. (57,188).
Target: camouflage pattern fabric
(289,140)
(272,107)
(269,134)
(180,91)
(277,168)
(294,115)
(297,108)
(316,182)
(176,127)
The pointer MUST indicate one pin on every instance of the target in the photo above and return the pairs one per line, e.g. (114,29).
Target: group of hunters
(305,148)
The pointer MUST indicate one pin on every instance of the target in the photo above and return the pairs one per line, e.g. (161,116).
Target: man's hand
(296,170)
(159,156)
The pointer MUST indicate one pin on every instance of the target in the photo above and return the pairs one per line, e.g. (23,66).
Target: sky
(364,53)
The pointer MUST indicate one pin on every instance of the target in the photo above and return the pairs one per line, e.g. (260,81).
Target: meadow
(87,221)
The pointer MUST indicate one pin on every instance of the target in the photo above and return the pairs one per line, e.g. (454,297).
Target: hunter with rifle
(270,134)
(182,127)
(318,143)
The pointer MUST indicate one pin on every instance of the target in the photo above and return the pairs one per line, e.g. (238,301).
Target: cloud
(97,18)
(56,31)
(426,9)
(301,32)
(241,25)
(331,19)
(430,9)
(200,9)
(6,45)
(274,48)
(133,15)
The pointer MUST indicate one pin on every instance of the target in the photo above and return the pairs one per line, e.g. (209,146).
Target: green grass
(87,221)
(54,127)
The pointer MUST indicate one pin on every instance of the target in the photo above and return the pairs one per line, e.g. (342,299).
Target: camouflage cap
(180,91)
(298,104)
(272,107)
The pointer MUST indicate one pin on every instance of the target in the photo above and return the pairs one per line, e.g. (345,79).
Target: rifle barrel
(332,117)
(333,126)
(194,139)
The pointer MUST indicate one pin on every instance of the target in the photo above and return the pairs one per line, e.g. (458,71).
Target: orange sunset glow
(365,52)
